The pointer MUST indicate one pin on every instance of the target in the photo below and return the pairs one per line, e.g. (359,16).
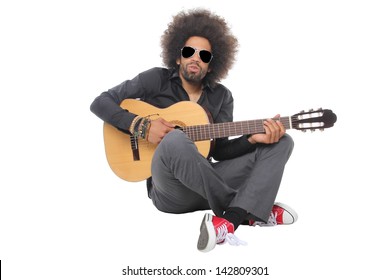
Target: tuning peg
(312,130)
(321,129)
(303,130)
(303,111)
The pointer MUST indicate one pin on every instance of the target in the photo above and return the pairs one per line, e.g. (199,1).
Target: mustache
(194,63)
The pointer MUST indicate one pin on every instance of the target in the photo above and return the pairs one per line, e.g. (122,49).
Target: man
(240,180)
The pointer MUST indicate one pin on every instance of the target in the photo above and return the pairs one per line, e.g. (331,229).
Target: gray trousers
(185,181)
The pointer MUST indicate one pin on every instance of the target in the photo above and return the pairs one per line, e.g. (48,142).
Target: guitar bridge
(134,147)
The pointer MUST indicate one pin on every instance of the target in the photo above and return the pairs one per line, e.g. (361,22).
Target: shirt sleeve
(226,148)
(107,105)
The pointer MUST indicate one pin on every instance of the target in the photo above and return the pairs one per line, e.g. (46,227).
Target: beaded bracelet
(134,124)
(144,127)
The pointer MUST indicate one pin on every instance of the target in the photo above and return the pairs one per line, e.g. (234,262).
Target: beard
(191,77)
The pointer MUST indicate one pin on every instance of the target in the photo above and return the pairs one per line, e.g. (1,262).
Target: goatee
(192,77)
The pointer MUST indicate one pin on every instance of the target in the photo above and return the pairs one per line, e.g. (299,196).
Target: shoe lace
(271,221)
(234,240)
(223,236)
(222,231)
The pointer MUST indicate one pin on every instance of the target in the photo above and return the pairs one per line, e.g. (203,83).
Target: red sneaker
(215,230)
(281,214)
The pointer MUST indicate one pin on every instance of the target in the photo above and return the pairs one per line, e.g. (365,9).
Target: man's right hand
(158,129)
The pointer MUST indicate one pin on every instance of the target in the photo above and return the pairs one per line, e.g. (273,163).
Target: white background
(65,215)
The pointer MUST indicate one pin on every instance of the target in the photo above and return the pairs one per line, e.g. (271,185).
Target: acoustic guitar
(130,158)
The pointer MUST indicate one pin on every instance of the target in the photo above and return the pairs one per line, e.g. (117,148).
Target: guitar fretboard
(220,130)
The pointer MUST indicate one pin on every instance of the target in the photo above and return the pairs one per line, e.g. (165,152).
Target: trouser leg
(257,176)
(184,181)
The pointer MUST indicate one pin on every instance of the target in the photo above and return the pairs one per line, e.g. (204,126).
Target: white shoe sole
(207,237)
(290,211)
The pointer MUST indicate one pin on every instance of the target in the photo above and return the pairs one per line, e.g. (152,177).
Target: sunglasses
(204,55)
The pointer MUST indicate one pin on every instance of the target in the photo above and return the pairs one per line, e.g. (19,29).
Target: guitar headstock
(313,120)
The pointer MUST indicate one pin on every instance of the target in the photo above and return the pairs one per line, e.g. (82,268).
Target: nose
(196,56)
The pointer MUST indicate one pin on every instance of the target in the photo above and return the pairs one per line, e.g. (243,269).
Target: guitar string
(230,129)
(218,130)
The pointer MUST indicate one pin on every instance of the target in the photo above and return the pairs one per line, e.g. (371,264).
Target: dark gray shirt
(161,87)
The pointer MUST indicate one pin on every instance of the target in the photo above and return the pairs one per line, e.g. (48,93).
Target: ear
(178,61)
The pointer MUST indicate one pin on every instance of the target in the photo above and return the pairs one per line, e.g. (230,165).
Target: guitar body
(118,148)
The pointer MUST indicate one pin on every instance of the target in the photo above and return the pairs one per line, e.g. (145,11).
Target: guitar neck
(221,130)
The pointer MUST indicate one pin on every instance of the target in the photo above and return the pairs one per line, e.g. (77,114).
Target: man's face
(193,69)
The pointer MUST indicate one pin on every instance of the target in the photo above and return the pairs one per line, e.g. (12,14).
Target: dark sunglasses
(204,55)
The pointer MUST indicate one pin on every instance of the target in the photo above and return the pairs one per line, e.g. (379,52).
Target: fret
(198,132)
(213,132)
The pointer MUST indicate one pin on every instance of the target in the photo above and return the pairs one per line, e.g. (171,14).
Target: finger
(274,130)
(167,123)
(268,131)
(281,129)
(279,123)
(273,122)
